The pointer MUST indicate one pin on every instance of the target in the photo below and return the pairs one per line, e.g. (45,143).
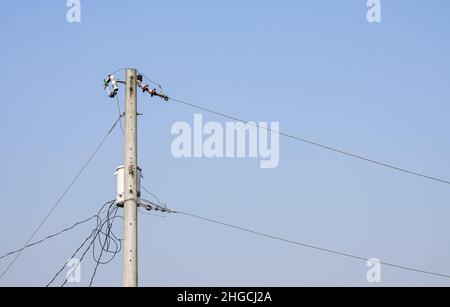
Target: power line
(105,245)
(152,194)
(83,168)
(386,165)
(151,81)
(97,232)
(310,246)
(118,70)
(49,237)
(119,111)
(105,242)
(62,268)
(326,250)
(322,146)
(81,246)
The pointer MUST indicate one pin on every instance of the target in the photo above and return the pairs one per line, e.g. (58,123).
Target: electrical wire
(83,168)
(326,250)
(329,148)
(157,200)
(150,214)
(81,246)
(73,255)
(322,146)
(97,234)
(105,245)
(315,247)
(118,70)
(151,81)
(108,241)
(152,194)
(119,111)
(49,237)
(310,246)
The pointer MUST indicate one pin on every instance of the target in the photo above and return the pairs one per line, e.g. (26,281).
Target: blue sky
(317,67)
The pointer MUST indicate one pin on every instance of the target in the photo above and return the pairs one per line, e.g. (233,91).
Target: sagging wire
(103,235)
(49,237)
(118,70)
(156,91)
(105,244)
(151,81)
(121,114)
(61,197)
(151,206)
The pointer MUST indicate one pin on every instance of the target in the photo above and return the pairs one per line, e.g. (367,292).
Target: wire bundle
(104,243)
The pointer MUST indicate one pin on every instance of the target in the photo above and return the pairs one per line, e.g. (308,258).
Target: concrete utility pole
(130,259)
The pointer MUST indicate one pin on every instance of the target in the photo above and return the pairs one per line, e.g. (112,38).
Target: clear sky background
(317,67)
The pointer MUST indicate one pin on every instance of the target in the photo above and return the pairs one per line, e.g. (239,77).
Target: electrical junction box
(120,185)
